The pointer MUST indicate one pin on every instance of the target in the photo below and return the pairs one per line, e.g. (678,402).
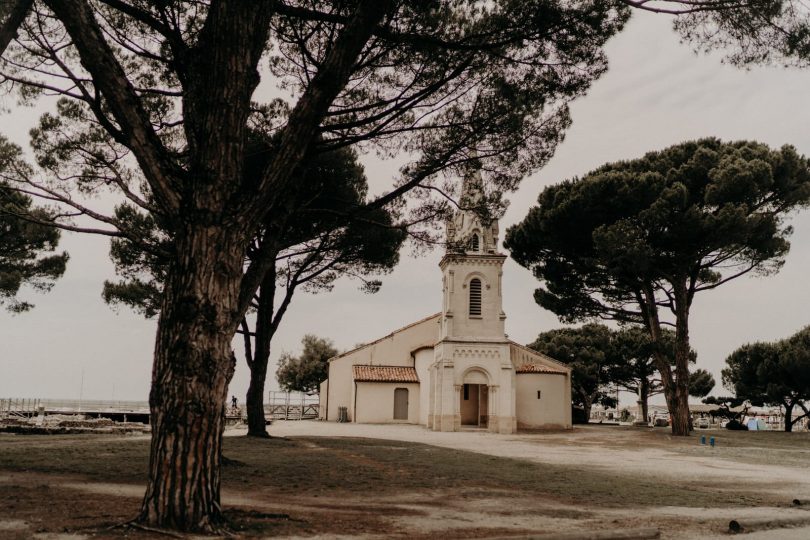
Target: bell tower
(472,270)
(472,379)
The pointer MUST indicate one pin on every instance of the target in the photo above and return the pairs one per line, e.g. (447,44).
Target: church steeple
(469,231)
(472,270)
(472,190)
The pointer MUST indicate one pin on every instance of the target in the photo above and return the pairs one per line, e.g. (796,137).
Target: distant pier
(279,406)
(117,411)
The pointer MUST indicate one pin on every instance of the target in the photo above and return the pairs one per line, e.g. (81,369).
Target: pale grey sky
(656,93)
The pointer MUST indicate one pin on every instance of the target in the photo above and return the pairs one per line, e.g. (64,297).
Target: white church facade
(455,369)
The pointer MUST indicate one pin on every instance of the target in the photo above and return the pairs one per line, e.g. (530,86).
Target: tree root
(132,524)
(222,530)
(259,434)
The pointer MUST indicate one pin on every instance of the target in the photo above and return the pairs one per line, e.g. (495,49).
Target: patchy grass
(318,486)
(42,508)
(100,457)
(623,437)
(332,466)
(754,447)
(365,465)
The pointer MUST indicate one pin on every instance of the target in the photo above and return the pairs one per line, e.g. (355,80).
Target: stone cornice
(477,259)
(473,341)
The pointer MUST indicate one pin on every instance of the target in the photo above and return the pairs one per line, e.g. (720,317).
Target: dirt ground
(331,480)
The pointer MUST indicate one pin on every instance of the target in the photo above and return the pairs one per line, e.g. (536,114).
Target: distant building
(456,368)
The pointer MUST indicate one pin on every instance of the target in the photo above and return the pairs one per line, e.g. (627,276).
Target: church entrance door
(474,405)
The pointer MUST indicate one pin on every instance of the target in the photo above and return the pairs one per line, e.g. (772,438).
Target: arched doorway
(475,399)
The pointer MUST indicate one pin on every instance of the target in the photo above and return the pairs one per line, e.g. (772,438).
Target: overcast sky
(656,93)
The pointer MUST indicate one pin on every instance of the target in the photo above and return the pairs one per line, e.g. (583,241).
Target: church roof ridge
(390,334)
(538,368)
(537,353)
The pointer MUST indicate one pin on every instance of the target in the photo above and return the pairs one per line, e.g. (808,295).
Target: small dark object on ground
(750,525)
(797,502)
(617,534)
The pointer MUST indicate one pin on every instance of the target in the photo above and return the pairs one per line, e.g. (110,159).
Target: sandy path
(704,465)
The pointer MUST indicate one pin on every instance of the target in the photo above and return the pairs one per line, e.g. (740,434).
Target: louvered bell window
(475,297)
(474,243)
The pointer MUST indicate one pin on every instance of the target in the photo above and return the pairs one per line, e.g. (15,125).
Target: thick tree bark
(650,311)
(258,367)
(680,415)
(257,424)
(193,366)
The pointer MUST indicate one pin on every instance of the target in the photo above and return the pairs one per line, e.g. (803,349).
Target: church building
(455,369)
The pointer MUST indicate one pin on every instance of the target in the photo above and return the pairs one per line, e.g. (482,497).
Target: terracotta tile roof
(397,374)
(538,368)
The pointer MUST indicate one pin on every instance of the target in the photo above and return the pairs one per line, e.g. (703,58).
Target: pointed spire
(472,189)
(471,230)
(472,186)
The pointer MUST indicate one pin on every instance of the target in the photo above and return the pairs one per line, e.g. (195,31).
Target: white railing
(21,407)
(292,405)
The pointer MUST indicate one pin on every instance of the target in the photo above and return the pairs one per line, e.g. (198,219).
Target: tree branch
(16,15)
(689,6)
(108,75)
(312,107)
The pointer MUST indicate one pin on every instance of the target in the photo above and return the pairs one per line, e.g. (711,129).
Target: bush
(736,425)
(578,415)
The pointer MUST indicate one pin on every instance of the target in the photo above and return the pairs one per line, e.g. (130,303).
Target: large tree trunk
(265,329)
(680,415)
(257,424)
(643,397)
(788,417)
(587,404)
(650,311)
(268,319)
(193,366)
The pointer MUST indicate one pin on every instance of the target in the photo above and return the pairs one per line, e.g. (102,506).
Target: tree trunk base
(220,528)
(259,434)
